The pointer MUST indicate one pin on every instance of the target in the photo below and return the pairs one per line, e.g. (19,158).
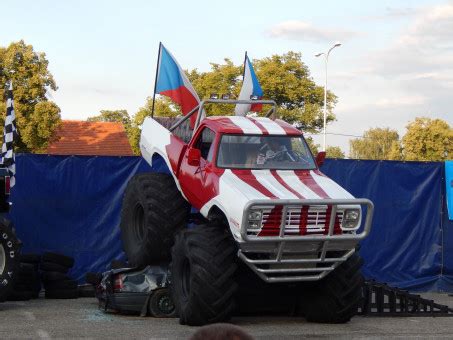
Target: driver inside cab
(270,149)
(273,150)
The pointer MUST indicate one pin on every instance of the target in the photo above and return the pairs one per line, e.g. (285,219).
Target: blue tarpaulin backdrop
(449,187)
(72,205)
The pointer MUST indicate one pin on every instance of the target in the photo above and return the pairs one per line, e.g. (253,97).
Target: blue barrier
(72,205)
(409,237)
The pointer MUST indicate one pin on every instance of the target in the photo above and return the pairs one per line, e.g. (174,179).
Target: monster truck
(257,196)
(9,244)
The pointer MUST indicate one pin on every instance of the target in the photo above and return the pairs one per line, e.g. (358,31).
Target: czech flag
(172,82)
(250,89)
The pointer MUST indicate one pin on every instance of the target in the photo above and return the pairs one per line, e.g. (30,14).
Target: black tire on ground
(60,285)
(20,295)
(30,258)
(53,267)
(336,298)
(161,304)
(62,294)
(54,276)
(60,259)
(152,213)
(86,290)
(9,257)
(93,278)
(202,269)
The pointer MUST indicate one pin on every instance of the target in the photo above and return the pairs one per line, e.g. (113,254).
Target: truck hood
(282,184)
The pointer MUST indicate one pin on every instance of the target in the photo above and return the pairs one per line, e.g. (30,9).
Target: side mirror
(194,156)
(320,157)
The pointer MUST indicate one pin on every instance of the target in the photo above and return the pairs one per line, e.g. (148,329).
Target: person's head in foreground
(220,331)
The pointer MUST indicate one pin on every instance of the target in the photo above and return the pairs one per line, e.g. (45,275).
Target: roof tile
(90,138)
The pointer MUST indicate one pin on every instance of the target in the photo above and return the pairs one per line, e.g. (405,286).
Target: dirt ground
(81,318)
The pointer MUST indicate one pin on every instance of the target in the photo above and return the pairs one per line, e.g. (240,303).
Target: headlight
(254,220)
(351,219)
(255,215)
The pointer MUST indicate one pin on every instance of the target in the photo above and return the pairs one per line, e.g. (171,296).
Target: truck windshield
(264,152)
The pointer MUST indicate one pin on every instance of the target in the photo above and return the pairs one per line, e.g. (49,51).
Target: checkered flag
(8,159)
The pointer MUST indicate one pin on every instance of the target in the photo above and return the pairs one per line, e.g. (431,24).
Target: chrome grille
(315,216)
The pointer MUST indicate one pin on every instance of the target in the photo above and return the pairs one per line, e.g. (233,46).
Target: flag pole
(243,71)
(155,81)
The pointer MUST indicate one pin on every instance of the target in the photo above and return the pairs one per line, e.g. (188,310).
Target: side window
(204,144)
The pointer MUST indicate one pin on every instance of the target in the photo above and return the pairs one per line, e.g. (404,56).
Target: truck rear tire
(203,266)
(336,298)
(9,258)
(153,211)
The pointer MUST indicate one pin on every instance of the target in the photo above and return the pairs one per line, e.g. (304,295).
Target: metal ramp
(383,300)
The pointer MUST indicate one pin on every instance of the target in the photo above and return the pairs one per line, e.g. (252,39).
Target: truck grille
(302,220)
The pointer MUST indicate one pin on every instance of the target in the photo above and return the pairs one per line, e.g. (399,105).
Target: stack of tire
(27,283)
(9,258)
(54,270)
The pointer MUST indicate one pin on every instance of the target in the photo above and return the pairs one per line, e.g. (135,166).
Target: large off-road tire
(202,271)
(336,298)
(152,213)
(9,258)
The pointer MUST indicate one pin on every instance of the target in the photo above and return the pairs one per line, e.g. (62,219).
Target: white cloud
(398,101)
(425,47)
(301,30)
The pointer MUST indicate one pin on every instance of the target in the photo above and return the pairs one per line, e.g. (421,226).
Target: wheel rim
(166,305)
(186,278)
(2,259)
(139,222)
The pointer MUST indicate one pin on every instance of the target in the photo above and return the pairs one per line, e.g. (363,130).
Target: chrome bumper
(288,258)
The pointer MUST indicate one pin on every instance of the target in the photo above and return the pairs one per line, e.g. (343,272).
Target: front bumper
(290,258)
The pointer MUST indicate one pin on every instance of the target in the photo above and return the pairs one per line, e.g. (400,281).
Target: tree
(312,145)
(31,80)
(120,116)
(376,144)
(428,140)
(286,79)
(283,78)
(396,151)
(222,79)
(334,152)
(39,130)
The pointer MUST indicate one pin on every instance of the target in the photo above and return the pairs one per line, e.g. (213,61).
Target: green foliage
(286,79)
(428,140)
(283,78)
(313,147)
(222,79)
(396,151)
(377,143)
(334,152)
(31,80)
(41,124)
(120,116)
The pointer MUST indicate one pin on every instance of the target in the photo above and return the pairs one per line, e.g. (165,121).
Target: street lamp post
(326,59)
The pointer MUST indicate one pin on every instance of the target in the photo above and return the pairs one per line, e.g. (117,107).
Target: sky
(395,62)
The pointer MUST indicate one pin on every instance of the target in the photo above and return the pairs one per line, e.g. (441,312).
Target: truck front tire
(336,298)
(202,270)
(153,211)
(9,258)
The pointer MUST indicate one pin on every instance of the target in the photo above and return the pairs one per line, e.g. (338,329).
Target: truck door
(193,178)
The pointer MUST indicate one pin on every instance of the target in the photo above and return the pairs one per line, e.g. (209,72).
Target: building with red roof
(90,138)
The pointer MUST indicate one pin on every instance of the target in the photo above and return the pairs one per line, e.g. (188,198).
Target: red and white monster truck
(261,199)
